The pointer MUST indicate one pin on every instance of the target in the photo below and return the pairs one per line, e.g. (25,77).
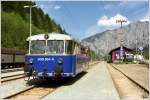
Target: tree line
(15,23)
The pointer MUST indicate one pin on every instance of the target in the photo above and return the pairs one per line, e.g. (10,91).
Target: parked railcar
(55,55)
(12,58)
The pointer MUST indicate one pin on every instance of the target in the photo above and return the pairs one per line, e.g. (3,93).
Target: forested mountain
(15,23)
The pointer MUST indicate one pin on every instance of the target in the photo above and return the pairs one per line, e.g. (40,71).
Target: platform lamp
(30,7)
(121,21)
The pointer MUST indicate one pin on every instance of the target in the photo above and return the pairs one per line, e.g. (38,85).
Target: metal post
(30,31)
(30,7)
(121,44)
(107,50)
(46,47)
(64,46)
(136,46)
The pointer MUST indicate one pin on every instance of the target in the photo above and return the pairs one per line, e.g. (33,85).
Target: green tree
(15,23)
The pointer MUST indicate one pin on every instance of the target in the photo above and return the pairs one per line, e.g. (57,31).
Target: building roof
(52,36)
(119,48)
(12,51)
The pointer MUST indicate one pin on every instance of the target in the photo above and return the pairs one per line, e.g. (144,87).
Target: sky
(82,19)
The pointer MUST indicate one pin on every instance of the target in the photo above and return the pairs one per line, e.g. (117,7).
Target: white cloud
(56,7)
(94,29)
(105,21)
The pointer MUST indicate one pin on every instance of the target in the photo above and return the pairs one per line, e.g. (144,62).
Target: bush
(15,31)
(123,62)
(107,58)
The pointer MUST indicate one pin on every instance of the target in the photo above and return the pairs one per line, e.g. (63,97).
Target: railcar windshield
(55,46)
(38,47)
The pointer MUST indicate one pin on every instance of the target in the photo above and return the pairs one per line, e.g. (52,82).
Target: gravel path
(95,85)
(126,88)
(136,72)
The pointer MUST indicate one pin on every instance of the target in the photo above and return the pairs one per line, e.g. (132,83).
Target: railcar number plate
(45,59)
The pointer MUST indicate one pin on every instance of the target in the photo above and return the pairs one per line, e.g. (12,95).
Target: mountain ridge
(105,41)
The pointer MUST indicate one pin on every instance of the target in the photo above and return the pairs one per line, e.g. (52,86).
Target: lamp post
(121,21)
(30,7)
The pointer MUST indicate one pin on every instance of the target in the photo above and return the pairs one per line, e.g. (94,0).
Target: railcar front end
(55,55)
(52,65)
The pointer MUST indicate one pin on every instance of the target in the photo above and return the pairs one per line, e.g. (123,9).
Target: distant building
(115,53)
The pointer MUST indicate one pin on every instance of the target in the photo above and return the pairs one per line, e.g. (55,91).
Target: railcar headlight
(60,61)
(31,61)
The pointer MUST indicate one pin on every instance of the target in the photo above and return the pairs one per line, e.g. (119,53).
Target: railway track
(40,90)
(12,77)
(11,70)
(19,76)
(140,86)
(33,93)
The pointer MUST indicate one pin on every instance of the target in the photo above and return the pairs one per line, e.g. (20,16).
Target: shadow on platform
(49,82)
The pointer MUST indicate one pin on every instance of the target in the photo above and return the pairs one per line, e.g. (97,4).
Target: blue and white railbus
(55,55)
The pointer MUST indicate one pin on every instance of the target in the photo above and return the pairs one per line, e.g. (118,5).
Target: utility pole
(143,43)
(136,46)
(121,21)
(107,50)
(30,7)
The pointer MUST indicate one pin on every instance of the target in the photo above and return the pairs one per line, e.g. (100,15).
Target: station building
(115,53)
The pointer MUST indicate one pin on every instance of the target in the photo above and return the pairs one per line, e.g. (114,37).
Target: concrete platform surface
(95,85)
(136,72)
(11,87)
(11,73)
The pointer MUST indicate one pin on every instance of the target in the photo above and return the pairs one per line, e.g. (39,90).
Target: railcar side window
(55,46)
(38,47)
(77,49)
(70,45)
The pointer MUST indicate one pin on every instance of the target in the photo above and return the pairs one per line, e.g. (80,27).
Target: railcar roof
(52,36)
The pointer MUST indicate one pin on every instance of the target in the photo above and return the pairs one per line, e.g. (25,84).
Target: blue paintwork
(70,65)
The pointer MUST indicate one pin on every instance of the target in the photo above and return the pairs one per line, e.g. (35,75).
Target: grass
(124,63)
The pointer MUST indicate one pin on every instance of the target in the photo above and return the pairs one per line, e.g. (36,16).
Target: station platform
(11,73)
(137,72)
(96,84)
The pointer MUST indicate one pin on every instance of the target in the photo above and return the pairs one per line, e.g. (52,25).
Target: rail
(13,77)
(145,89)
